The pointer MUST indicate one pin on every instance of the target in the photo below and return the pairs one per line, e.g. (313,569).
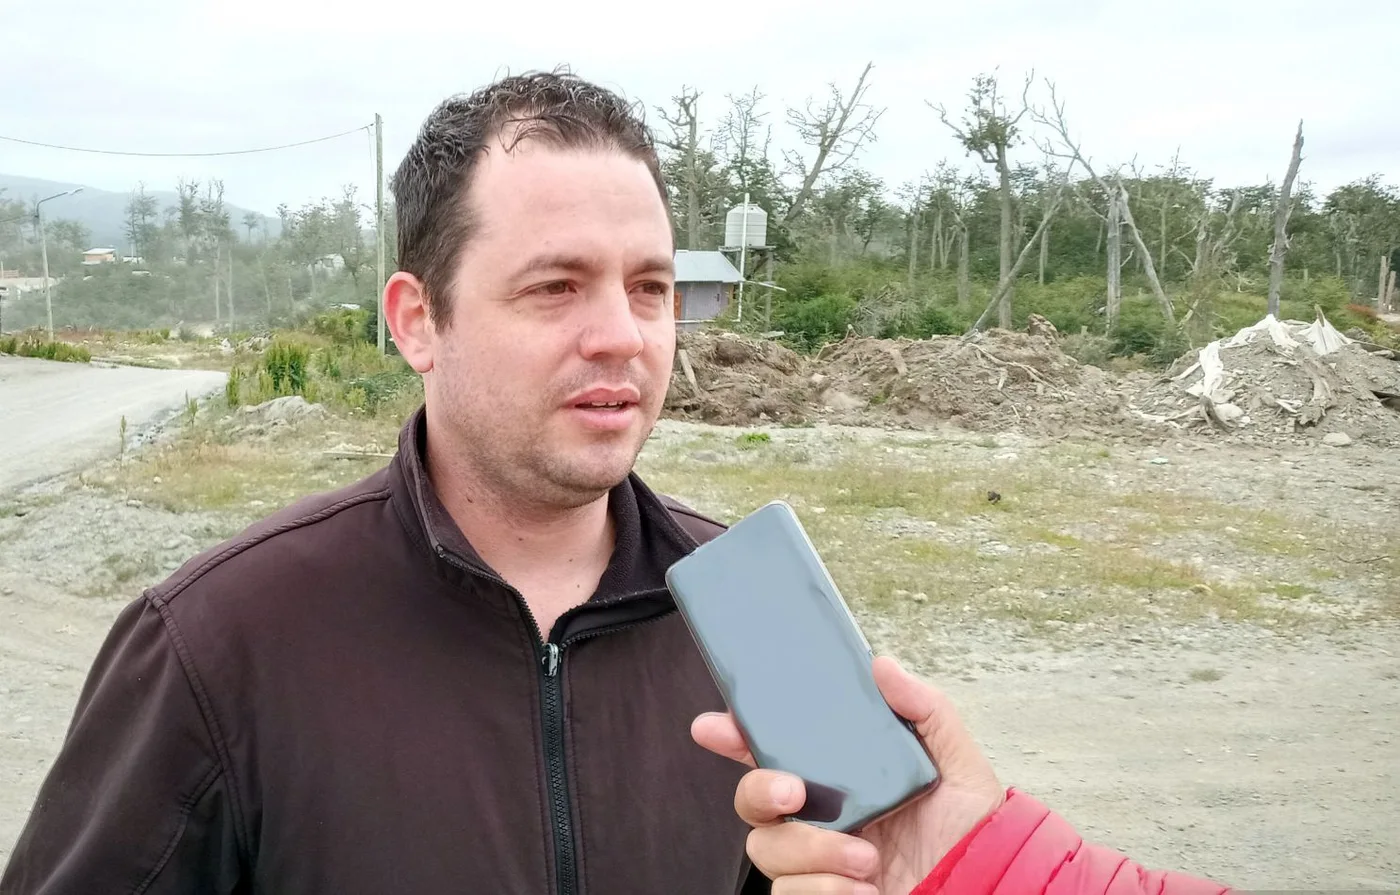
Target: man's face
(556,362)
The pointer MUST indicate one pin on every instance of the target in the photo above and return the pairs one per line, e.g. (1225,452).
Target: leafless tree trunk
(836,131)
(1382,291)
(938,257)
(1115,261)
(988,133)
(960,233)
(1072,153)
(913,247)
(1044,253)
(964,263)
(267,290)
(1148,267)
(1006,281)
(685,142)
(1004,253)
(1283,209)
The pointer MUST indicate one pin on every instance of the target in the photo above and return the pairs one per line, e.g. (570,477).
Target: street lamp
(44,249)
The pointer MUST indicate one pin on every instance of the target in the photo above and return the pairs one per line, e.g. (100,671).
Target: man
(463,674)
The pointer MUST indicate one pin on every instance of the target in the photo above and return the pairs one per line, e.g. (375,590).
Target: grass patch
(891,525)
(207,469)
(36,346)
(1206,675)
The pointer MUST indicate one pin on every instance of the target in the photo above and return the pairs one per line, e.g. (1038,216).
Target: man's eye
(655,288)
(559,287)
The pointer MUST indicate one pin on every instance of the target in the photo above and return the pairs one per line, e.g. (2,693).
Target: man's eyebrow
(664,264)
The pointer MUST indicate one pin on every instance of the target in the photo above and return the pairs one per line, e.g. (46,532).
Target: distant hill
(103,212)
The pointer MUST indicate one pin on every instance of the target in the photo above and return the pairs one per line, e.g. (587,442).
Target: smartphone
(795,670)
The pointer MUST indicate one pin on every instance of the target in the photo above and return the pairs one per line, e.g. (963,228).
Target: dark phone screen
(795,670)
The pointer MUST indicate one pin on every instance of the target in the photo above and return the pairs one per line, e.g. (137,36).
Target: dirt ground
(1261,754)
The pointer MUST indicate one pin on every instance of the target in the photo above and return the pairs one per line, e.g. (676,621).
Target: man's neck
(554,557)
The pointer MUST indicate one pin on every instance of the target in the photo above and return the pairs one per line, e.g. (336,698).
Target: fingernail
(784,791)
(862,856)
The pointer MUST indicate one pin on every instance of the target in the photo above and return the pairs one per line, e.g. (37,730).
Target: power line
(366,127)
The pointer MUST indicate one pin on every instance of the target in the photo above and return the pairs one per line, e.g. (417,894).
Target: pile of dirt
(1282,381)
(728,379)
(996,381)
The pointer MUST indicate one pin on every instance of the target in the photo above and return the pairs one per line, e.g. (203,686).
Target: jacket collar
(648,539)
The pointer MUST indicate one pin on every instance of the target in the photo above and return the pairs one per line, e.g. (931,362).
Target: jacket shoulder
(288,532)
(696,524)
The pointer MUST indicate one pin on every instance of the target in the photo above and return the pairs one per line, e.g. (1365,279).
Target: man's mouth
(604,405)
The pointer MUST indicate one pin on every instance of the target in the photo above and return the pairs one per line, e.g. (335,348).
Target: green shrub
(39,347)
(343,326)
(286,365)
(811,323)
(233,387)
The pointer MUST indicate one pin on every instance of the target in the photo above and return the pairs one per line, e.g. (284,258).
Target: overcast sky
(1224,80)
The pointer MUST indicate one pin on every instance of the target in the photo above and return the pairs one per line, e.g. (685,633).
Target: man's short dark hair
(432,183)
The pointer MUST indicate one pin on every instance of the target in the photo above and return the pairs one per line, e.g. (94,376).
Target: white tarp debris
(1321,335)
(1282,378)
(1214,391)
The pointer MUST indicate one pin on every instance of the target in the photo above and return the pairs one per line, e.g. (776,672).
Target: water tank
(735,233)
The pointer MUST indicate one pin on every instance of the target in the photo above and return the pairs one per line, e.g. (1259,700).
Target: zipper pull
(551,659)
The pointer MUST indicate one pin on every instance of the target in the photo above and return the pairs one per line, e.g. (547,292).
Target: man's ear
(406,314)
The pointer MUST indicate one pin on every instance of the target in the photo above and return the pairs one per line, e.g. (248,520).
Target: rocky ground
(1260,748)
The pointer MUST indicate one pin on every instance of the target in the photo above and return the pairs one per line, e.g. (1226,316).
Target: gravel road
(55,417)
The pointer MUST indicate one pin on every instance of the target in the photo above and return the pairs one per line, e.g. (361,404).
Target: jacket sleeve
(1025,849)
(136,800)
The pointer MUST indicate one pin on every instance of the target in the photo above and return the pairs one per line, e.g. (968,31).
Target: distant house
(705,284)
(99,256)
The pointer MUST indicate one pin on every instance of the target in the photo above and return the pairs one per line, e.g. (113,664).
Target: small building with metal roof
(705,282)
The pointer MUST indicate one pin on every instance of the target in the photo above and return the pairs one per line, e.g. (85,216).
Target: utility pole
(44,248)
(379,221)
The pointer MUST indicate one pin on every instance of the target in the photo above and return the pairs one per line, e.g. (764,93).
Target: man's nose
(611,329)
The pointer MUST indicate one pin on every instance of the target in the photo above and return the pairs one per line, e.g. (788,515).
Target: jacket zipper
(551,659)
(552,702)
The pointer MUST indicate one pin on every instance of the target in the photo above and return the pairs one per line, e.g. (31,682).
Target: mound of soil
(728,379)
(1282,381)
(997,381)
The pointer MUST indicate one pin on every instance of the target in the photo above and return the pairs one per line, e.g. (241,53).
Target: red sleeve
(1025,848)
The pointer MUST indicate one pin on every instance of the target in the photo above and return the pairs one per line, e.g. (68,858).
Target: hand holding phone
(795,671)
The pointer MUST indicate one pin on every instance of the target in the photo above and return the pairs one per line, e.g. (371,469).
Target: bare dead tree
(1386,281)
(743,136)
(913,194)
(1051,209)
(684,141)
(836,131)
(1113,186)
(1114,225)
(989,131)
(1283,209)
(1213,261)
